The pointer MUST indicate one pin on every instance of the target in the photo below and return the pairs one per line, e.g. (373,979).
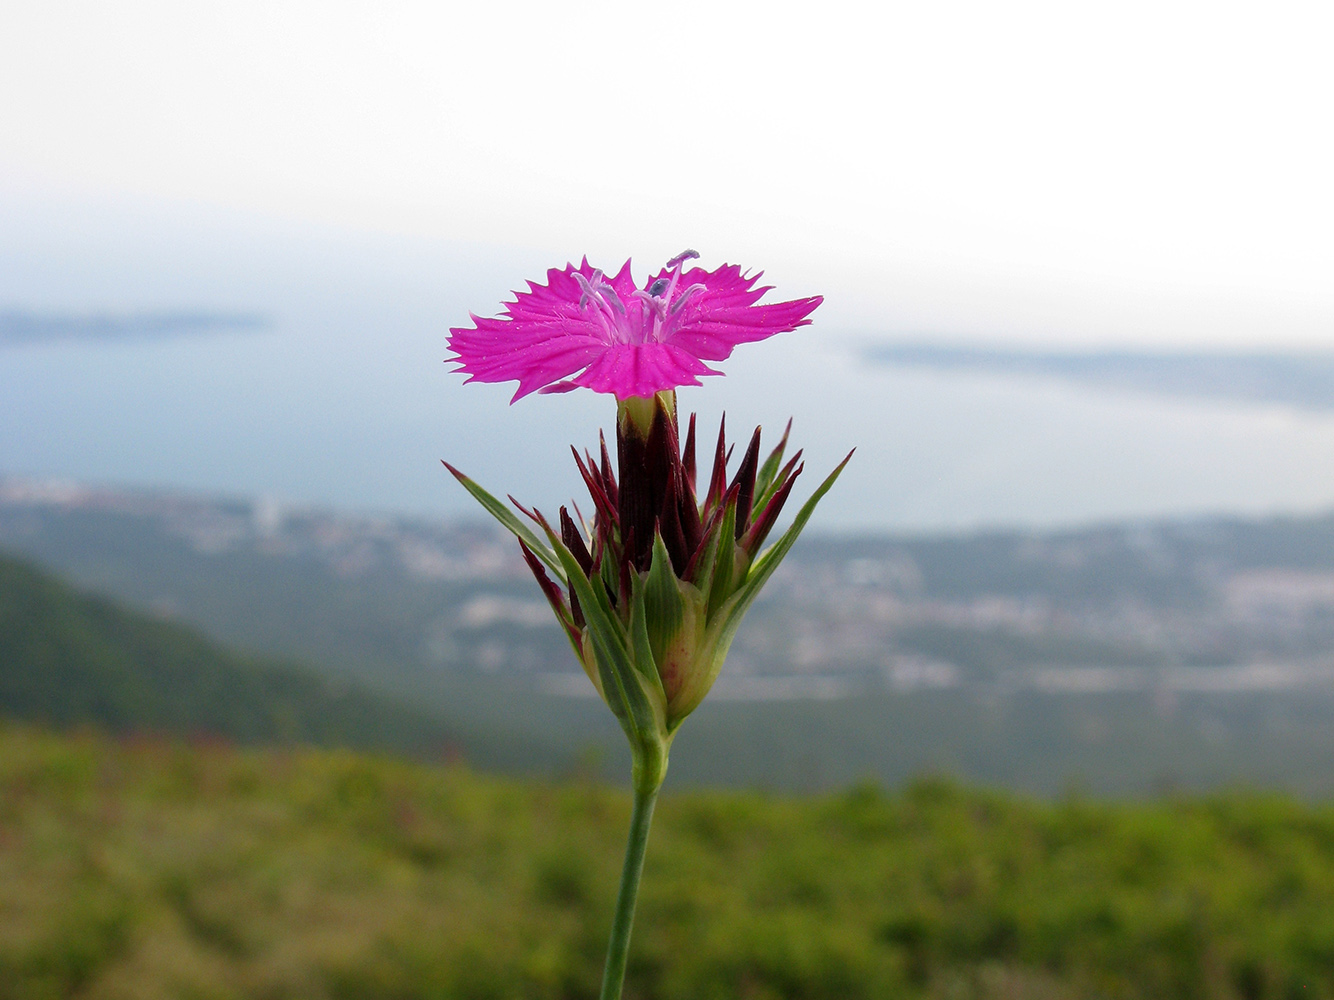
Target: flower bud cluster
(651,588)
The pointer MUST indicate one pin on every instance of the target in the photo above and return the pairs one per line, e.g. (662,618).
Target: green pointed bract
(652,627)
(589,661)
(634,694)
(773,555)
(507,518)
(664,604)
(702,577)
(720,583)
(606,574)
(765,483)
(764,566)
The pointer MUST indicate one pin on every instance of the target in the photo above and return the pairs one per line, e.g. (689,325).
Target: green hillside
(144,870)
(69,658)
(66,658)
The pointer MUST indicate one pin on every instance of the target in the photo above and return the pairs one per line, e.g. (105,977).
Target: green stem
(618,947)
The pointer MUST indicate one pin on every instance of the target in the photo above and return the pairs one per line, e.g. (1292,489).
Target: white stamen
(655,303)
(686,296)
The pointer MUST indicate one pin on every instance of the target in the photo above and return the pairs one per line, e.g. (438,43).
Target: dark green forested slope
(68,657)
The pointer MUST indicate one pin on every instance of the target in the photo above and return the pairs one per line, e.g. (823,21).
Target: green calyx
(635,415)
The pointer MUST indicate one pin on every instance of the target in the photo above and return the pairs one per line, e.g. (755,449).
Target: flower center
(659,309)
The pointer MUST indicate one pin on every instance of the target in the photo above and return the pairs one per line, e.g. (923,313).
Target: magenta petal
(586,328)
(642,369)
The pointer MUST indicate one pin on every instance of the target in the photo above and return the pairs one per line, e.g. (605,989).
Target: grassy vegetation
(154,870)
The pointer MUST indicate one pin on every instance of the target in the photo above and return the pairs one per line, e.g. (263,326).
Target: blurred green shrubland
(147,869)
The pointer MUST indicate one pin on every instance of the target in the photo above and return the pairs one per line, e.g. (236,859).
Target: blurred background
(1078,322)
(235,238)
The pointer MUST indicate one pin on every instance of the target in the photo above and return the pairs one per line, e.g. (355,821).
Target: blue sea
(341,397)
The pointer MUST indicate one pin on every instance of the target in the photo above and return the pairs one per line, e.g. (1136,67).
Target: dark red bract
(655,493)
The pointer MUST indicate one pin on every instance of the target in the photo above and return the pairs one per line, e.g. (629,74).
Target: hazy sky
(364,175)
(1129,172)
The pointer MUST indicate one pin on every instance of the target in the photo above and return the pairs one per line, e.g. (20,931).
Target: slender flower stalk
(650,589)
(618,947)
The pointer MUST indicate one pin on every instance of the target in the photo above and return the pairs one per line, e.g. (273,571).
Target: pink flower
(584,329)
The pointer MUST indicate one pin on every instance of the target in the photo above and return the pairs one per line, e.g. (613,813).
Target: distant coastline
(1301,380)
(21,327)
